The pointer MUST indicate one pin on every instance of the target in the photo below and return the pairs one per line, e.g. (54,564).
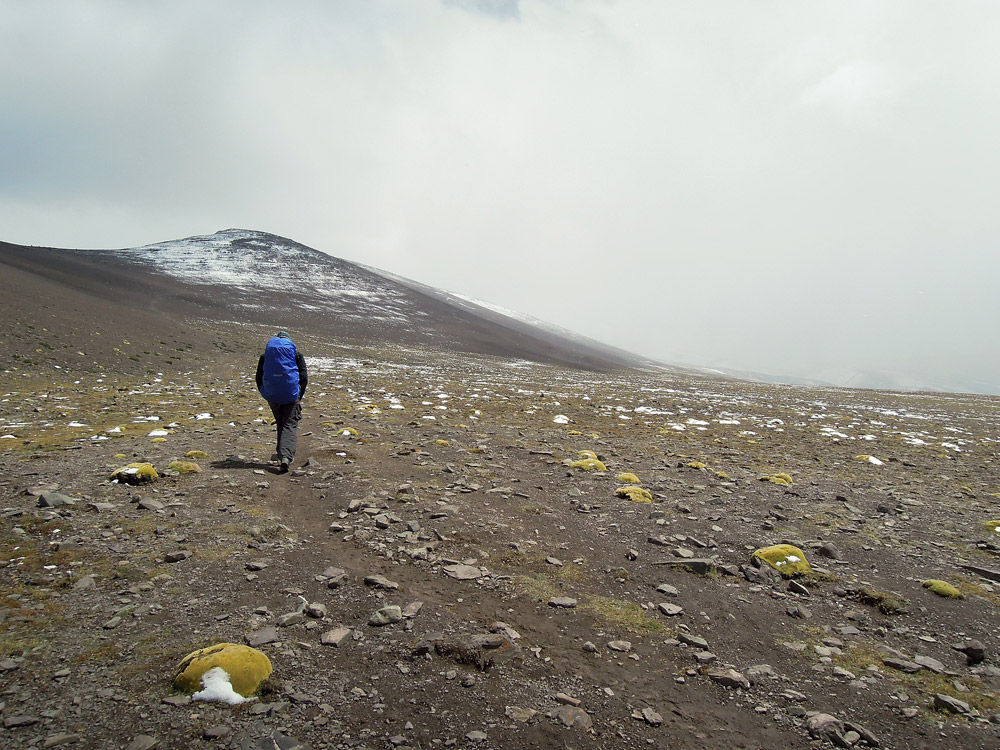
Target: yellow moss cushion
(196,454)
(697,465)
(184,467)
(992,526)
(780,478)
(787,559)
(635,494)
(442,443)
(627,477)
(589,464)
(943,588)
(247,668)
(587,454)
(137,473)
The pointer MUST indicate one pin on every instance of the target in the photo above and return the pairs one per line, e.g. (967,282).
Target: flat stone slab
(262,636)
(335,637)
(463,572)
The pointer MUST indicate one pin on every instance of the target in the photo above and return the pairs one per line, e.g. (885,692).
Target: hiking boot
(284,468)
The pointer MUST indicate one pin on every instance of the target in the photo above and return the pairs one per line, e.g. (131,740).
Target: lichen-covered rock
(635,494)
(247,668)
(787,559)
(943,588)
(184,467)
(589,464)
(137,473)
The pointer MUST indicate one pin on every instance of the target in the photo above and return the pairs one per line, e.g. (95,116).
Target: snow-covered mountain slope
(251,276)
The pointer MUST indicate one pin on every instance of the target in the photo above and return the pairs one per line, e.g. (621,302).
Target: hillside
(254,277)
(539,607)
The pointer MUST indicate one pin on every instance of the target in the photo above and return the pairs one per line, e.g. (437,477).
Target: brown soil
(497,494)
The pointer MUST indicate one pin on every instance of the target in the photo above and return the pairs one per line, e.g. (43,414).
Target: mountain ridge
(273,280)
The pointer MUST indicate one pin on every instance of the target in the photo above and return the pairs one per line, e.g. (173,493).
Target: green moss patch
(184,467)
(787,559)
(589,464)
(197,455)
(886,603)
(621,615)
(943,588)
(635,494)
(779,478)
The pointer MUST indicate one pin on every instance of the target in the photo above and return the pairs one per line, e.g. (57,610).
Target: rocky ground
(536,606)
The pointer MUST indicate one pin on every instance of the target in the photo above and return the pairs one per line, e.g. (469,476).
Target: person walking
(281,379)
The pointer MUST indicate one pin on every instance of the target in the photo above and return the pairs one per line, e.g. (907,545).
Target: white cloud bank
(800,188)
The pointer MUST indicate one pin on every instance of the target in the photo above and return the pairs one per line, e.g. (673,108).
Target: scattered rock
(335,637)
(562,602)
(729,678)
(386,616)
(55,500)
(954,705)
(262,637)
(463,572)
(974,651)
(573,716)
(381,582)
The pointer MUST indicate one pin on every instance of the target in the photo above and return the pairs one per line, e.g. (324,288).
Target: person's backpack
(280,384)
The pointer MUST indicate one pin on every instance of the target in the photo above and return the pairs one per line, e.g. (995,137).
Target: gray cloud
(783,187)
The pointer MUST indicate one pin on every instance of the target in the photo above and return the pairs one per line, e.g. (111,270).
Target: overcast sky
(805,188)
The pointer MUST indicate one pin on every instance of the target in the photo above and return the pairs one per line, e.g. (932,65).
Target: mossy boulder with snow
(586,454)
(137,473)
(184,467)
(993,527)
(943,588)
(635,494)
(589,464)
(247,668)
(787,559)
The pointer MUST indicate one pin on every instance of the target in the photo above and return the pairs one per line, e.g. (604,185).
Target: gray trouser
(287,417)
